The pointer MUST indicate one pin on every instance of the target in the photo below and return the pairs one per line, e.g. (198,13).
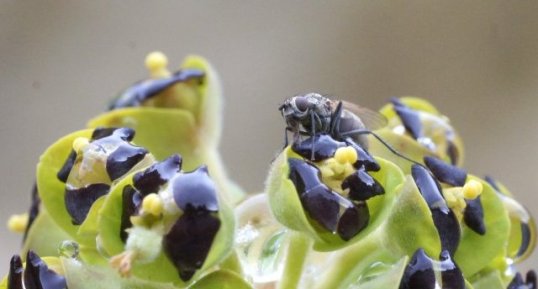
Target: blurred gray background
(61,62)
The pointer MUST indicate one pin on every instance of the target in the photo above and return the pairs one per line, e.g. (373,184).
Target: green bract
(51,189)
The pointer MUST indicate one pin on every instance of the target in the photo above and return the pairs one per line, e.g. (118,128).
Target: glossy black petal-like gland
(131,201)
(362,186)
(33,211)
(102,132)
(123,159)
(526,236)
(364,159)
(493,184)
(451,275)
(320,146)
(452,152)
(195,191)
(144,90)
(444,219)
(530,279)
(353,220)
(325,206)
(98,133)
(448,228)
(409,117)
(419,272)
(517,283)
(446,173)
(150,180)
(473,216)
(189,241)
(14,279)
(79,201)
(125,156)
(38,276)
(63,174)
(428,187)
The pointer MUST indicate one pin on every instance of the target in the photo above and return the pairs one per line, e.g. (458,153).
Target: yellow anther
(156,63)
(152,204)
(80,143)
(346,155)
(18,223)
(472,189)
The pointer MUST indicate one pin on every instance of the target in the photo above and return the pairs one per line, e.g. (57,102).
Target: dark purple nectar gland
(14,279)
(326,207)
(195,191)
(131,202)
(362,186)
(33,211)
(446,173)
(150,180)
(444,218)
(364,160)
(125,156)
(409,117)
(473,216)
(189,241)
(420,272)
(144,90)
(451,274)
(37,275)
(317,148)
(79,201)
(518,282)
(98,133)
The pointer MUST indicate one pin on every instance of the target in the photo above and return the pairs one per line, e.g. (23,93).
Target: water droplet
(260,241)
(69,249)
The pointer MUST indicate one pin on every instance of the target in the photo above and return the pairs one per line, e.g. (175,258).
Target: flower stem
(298,249)
(345,265)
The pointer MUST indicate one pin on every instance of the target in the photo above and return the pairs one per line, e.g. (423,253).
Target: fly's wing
(371,120)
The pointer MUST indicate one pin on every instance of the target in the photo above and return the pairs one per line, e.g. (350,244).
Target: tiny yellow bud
(153,204)
(346,155)
(18,223)
(472,189)
(156,62)
(79,144)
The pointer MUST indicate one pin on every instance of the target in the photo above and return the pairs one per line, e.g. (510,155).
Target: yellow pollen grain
(345,155)
(472,189)
(80,143)
(156,62)
(18,223)
(153,204)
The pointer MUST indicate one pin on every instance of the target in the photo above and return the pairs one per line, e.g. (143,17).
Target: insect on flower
(314,113)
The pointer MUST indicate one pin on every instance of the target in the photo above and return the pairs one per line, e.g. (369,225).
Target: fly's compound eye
(302,103)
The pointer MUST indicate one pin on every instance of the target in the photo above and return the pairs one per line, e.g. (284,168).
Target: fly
(313,113)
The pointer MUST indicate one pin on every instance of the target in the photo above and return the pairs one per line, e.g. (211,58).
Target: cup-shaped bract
(176,113)
(166,224)
(417,129)
(76,173)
